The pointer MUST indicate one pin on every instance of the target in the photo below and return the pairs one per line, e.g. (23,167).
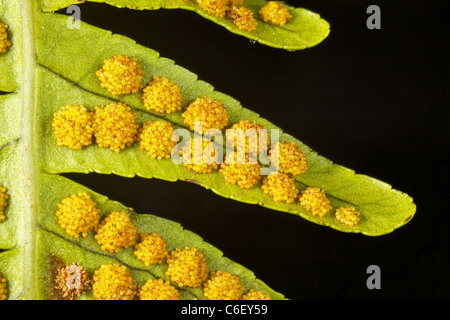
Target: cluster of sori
(290,162)
(3,288)
(3,197)
(273,12)
(185,267)
(115,126)
(4,42)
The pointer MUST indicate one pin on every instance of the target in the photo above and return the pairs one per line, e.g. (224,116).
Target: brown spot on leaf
(67,282)
(56,263)
(192,181)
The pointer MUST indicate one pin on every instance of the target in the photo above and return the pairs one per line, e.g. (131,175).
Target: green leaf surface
(306,28)
(11,63)
(50,66)
(52,240)
(12,115)
(382,208)
(10,162)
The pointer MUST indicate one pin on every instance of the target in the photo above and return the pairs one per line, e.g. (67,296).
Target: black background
(375,101)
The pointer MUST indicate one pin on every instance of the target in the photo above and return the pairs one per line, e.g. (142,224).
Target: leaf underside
(306,29)
(61,71)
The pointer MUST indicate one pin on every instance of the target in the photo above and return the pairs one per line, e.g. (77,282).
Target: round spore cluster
(78,214)
(113,282)
(152,249)
(73,126)
(201,160)
(251,134)
(187,267)
(281,187)
(115,126)
(275,12)
(243,18)
(4,42)
(348,216)
(121,75)
(315,200)
(155,138)
(223,286)
(116,231)
(158,290)
(289,158)
(217,8)
(256,295)
(211,114)
(240,171)
(162,95)
(3,203)
(3,288)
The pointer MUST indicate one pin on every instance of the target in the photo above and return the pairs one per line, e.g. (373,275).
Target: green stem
(28,92)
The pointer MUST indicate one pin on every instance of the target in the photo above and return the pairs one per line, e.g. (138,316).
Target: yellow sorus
(241,172)
(281,187)
(113,282)
(121,75)
(73,126)
(205,162)
(223,286)
(151,249)
(72,281)
(4,42)
(162,95)
(315,200)
(211,114)
(347,216)
(3,288)
(243,133)
(116,231)
(3,203)
(243,18)
(115,126)
(187,267)
(155,138)
(288,158)
(217,8)
(78,214)
(158,290)
(256,295)
(275,12)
